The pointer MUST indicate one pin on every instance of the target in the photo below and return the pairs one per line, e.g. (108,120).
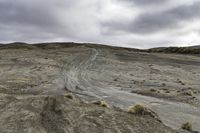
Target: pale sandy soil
(166,83)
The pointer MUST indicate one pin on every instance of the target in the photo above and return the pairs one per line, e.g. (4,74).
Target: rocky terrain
(36,78)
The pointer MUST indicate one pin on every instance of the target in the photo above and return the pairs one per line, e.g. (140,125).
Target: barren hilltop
(89,88)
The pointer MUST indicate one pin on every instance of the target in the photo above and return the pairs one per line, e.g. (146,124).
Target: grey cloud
(145,2)
(97,21)
(148,23)
(23,14)
(37,13)
(33,19)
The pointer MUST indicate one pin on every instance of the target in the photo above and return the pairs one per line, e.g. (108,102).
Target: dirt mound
(58,114)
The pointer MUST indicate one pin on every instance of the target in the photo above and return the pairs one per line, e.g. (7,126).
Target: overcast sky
(129,23)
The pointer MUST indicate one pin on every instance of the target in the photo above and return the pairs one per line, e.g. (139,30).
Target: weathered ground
(34,78)
(57,114)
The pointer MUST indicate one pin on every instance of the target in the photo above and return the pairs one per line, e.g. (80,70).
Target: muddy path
(78,81)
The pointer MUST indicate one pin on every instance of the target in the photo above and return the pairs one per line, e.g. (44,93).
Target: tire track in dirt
(173,114)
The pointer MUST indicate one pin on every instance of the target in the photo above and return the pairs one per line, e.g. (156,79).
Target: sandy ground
(58,114)
(166,83)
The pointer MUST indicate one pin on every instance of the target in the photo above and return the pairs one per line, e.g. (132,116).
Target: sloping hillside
(36,80)
(178,50)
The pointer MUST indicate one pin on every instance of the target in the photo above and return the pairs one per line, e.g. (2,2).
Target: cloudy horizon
(126,23)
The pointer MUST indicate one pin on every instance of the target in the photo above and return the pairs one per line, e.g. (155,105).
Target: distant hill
(179,50)
(197,46)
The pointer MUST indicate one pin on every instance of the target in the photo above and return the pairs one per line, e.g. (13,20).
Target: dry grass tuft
(137,109)
(187,126)
(69,95)
(142,110)
(101,103)
(189,93)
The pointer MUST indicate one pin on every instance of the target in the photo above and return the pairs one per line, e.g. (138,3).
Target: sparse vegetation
(137,109)
(150,65)
(115,79)
(152,90)
(189,93)
(180,82)
(142,110)
(180,50)
(69,95)
(101,103)
(72,75)
(190,88)
(187,126)
(167,91)
(193,97)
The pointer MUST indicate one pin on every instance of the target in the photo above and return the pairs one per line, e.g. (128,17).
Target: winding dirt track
(102,73)
(77,80)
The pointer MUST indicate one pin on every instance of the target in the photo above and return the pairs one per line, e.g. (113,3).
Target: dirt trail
(173,114)
(30,74)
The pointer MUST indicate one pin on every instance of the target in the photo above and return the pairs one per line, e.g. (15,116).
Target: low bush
(189,93)
(142,110)
(101,103)
(187,126)
(69,95)
(137,109)
(152,90)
